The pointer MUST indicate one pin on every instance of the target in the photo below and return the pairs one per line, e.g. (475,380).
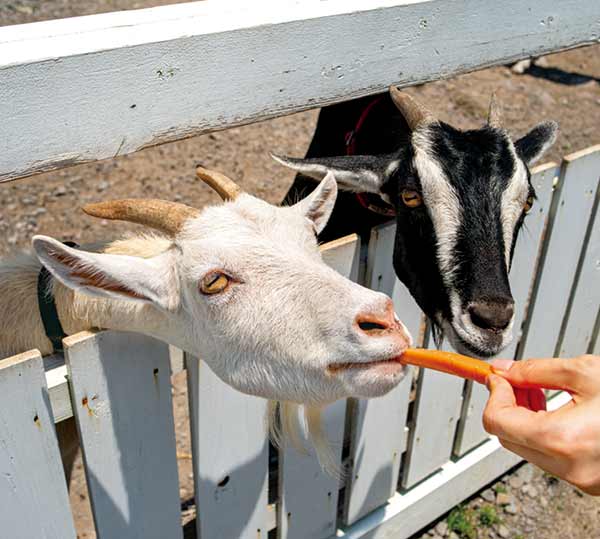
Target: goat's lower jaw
(466,345)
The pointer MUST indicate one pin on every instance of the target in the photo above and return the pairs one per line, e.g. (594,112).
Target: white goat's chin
(369,379)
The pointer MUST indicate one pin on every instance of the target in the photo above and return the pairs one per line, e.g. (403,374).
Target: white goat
(241,285)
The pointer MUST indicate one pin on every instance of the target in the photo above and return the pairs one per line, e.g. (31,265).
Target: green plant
(500,488)
(488,516)
(460,521)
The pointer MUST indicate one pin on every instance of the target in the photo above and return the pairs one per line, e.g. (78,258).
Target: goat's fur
(453,251)
(282,321)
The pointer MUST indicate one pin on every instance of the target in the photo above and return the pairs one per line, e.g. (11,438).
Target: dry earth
(566,87)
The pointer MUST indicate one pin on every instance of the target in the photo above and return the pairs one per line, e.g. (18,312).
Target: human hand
(564,442)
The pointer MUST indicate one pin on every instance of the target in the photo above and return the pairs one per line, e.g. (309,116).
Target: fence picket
(437,410)
(378,433)
(577,187)
(470,431)
(231,452)
(308,497)
(121,394)
(33,492)
(586,298)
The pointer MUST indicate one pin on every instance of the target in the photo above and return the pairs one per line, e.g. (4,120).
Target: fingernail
(502,365)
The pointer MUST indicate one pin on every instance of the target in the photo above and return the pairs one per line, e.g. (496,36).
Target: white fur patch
(513,200)
(441,200)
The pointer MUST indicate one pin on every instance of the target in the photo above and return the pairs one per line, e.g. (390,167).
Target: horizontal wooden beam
(88,88)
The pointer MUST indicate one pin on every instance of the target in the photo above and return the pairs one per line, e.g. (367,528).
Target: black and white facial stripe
(453,251)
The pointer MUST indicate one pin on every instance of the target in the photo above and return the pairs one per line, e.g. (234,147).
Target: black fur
(479,164)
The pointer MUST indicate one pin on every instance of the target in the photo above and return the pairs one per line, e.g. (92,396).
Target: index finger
(504,418)
(567,374)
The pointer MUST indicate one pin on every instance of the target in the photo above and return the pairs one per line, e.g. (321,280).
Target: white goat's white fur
(273,332)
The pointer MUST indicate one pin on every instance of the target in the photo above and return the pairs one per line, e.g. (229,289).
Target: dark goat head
(460,198)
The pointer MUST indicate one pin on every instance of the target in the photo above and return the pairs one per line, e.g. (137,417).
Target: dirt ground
(564,87)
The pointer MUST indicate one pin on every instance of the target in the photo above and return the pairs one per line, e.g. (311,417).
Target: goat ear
(147,280)
(535,143)
(358,173)
(319,204)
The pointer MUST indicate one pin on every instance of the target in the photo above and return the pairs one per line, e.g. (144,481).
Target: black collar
(52,326)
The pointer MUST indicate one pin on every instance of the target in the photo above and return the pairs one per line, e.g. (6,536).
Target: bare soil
(566,88)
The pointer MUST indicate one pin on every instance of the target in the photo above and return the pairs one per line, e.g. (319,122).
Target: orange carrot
(448,362)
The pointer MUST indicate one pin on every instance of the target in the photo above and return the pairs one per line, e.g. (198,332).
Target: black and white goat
(459,198)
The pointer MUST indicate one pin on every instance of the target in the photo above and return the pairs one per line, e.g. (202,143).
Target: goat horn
(226,187)
(415,114)
(495,113)
(162,215)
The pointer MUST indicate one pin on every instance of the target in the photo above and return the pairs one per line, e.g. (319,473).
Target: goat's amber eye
(528,204)
(214,282)
(412,199)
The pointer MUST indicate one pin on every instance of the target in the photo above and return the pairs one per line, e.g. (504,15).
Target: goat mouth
(389,366)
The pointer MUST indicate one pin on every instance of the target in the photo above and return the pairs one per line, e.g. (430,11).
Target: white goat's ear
(358,173)
(148,280)
(319,204)
(535,143)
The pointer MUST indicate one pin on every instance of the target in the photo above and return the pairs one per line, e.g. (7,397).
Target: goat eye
(412,199)
(214,282)
(528,204)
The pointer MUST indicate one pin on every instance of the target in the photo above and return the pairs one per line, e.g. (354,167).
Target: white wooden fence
(84,89)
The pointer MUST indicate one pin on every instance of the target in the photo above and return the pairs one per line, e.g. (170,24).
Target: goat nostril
(491,316)
(371,326)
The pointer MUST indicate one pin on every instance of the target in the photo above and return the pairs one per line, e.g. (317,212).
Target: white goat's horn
(226,187)
(495,113)
(415,114)
(162,215)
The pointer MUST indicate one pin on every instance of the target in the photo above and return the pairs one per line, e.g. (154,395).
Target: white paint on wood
(58,387)
(407,513)
(470,429)
(230,450)
(33,493)
(121,391)
(308,496)
(436,414)
(586,299)
(378,425)
(112,84)
(578,183)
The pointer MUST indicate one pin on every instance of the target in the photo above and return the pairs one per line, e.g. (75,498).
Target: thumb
(501,392)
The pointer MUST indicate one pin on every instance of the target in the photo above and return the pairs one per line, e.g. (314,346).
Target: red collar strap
(367,200)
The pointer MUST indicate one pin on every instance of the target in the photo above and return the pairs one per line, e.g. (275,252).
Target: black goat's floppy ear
(358,173)
(534,144)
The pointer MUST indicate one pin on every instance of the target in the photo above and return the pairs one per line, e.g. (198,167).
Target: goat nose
(374,322)
(492,315)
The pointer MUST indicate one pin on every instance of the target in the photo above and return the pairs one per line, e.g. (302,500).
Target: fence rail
(111,84)
(408,458)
